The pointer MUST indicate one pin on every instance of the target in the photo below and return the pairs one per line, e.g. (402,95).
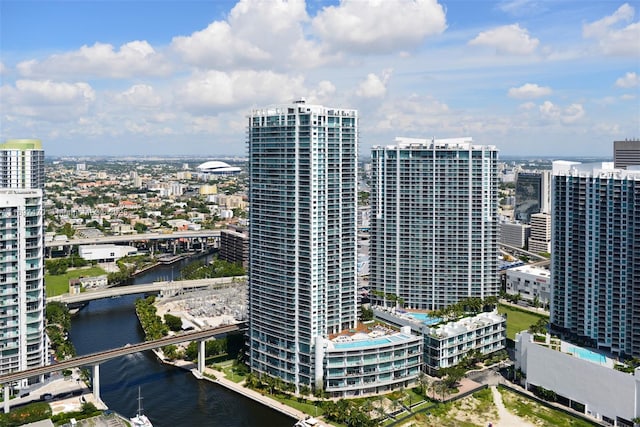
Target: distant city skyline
(162,77)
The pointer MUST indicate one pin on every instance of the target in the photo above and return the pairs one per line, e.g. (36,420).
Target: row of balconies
(368,371)
(382,380)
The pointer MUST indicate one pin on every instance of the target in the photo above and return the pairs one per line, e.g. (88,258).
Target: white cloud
(374,86)
(631,79)
(257,32)
(3,69)
(411,115)
(627,97)
(100,60)
(521,7)
(612,38)
(379,26)
(140,95)
(527,106)
(212,91)
(508,39)
(47,100)
(529,91)
(568,115)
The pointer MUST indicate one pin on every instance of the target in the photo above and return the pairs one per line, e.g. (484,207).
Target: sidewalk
(252,394)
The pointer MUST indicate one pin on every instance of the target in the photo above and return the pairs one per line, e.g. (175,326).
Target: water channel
(172,397)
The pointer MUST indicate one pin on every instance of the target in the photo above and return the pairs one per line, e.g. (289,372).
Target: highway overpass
(95,359)
(155,287)
(191,234)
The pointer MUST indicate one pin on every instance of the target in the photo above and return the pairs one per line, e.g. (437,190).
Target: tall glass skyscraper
(532,194)
(595,260)
(434,222)
(302,235)
(22,293)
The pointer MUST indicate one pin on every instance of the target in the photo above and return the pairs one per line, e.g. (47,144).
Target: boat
(140,420)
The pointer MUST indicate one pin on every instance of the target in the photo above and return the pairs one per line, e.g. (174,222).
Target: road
(135,237)
(96,358)
(172,286)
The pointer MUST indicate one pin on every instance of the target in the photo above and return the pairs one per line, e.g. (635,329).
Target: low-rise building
(373,363)
(530,282)
(446,344)
(105,253)
(581,378)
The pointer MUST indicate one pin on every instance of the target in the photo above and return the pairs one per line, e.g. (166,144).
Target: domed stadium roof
(218,168)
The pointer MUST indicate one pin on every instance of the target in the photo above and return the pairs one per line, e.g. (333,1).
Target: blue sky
(533,77)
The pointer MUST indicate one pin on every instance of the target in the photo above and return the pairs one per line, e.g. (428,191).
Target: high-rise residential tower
(595,261)
(22,164)
(532,194)
(22,297)
(302,235)
(434,222)
(626,153)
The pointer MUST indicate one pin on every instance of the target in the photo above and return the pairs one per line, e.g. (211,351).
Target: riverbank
(219,377)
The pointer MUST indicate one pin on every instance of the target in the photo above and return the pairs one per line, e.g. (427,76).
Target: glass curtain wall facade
(595,261)
(532,195)
(434,223)
(302,235)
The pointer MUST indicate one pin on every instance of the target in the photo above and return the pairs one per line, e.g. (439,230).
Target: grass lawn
(58,285)
(305,406)
(518,320)
(537,413)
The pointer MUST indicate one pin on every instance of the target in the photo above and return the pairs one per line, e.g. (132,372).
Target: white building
(22,164)
(582,376)
(105,253)
(514,234)
(446,344)
(365,364)
(540,239)
(23,343)
(530,282)
(434,222)
(302,235)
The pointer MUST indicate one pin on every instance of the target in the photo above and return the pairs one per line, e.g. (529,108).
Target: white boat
(140,420)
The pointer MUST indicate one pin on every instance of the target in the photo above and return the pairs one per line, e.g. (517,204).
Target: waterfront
(171,396)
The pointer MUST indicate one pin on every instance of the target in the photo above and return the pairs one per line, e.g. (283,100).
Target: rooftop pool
(424,318)
(589,355)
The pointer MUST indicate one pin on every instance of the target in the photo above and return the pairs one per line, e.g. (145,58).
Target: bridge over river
(95,359)
(170,287)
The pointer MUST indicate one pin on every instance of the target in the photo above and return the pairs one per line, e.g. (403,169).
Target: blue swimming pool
(424,318)
(362,343)
(589,355)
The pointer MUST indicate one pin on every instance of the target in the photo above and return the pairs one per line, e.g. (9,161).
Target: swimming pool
(424,318)
(361,343)
(589,355)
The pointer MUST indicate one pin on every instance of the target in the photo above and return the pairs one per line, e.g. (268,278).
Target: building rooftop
(466,324)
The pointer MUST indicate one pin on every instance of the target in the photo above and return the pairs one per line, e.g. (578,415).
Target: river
(172,397)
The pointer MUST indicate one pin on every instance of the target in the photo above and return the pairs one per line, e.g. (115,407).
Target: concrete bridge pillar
(96,382)
(201,356)
(5,395)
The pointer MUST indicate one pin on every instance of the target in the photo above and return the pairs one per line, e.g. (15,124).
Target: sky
(558,78)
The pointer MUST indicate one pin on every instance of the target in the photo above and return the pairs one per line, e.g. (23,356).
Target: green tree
(67,229)
(366,314)
(140,227)
(174,323)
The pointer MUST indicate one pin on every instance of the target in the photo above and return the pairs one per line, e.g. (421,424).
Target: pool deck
(587,354)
